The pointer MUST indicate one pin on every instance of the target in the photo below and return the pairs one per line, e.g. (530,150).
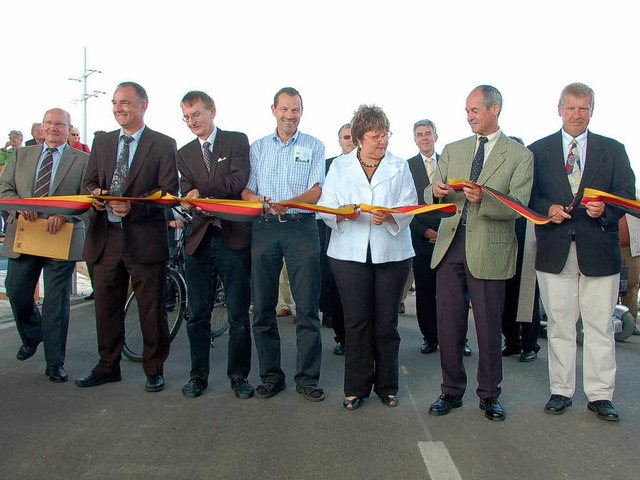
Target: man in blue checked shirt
(286,165)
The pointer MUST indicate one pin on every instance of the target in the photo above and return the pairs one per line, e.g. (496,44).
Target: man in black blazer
(215,165)
(424,231)
(330,303)
(128,240)
(578,254)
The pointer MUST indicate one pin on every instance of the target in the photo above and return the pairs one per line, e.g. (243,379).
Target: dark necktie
(122,167)
(206,155)
(476,168)
(43,180)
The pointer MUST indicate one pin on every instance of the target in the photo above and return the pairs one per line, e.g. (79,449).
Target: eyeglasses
(193,116)
(377,138)
(57,124)
(346,137)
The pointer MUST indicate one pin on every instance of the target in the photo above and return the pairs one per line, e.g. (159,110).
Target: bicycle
(176,301)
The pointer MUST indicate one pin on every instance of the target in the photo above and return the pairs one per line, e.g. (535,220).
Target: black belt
(287,217)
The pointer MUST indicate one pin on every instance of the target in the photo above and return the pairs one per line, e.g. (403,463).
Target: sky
(414,59)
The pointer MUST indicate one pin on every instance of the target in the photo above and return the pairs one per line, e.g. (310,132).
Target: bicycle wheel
(176,304)
(219,316)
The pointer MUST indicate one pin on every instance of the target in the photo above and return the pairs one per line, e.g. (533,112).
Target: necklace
(364,164)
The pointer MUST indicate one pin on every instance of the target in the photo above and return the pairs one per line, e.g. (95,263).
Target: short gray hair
(577,90)
(425,123)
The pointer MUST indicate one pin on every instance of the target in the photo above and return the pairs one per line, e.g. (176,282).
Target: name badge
(302,154)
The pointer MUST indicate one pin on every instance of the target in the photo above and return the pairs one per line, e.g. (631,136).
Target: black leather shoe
(154,383)
(94,379)
(194,387)
(604,409)
(528,356)
(557,404)
(89,297)
(242,388)
(56,374)
(509,350)
(492,409)
(268,389)
(445,404)
(25,352)
(338,349)
(428,347)
(467,349)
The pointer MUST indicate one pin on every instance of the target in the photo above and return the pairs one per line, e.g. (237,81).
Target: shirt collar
(211,139)
(567,139)
(136,136)
(293,139)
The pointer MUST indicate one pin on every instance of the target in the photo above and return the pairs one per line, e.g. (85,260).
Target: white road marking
(438,461)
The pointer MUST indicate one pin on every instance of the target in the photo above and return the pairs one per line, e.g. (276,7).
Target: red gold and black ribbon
(234,210)
(510,202)
(632,207)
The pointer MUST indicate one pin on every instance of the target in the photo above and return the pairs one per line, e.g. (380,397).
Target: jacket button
(453,229)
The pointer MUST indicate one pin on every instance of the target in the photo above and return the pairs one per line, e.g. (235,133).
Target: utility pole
(85,96)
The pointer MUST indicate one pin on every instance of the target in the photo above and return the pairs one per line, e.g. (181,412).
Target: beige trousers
(565,297)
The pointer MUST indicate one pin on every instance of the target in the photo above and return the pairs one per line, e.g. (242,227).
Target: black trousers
(371,294)
(487,299)
(426,309)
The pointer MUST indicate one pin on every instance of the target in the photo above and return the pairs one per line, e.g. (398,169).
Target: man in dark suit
(578,256)
(215,165)
(330,303)
(424,231)
(51,169)
(476,249)
(128,240)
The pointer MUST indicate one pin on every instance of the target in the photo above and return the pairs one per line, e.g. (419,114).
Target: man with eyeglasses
(475,251)
(127,240)
(330,303)
(286,165)
(52,168)
(215,165)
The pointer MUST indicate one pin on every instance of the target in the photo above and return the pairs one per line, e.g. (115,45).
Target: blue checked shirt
(283,171)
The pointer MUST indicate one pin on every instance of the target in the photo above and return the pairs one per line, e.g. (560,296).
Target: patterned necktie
(476,168)
(430,169)
(573,166)
(206,155)
(44,174)
(122,167)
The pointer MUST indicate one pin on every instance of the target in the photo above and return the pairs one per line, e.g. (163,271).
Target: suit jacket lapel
(384,172)
(592,163)
(556,167)
(31,165)
(494,160)
(146,140)
(67,159)
(215,156)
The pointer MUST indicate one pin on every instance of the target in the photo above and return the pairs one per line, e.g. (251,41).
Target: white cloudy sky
(414,59)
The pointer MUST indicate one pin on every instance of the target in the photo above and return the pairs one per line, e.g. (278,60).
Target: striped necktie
(43,181)
(429,162)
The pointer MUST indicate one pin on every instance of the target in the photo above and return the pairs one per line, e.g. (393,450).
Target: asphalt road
(59,431)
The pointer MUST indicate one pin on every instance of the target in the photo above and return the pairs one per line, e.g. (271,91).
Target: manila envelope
(32,238)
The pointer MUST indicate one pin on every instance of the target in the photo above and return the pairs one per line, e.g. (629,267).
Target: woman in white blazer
(370,255)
